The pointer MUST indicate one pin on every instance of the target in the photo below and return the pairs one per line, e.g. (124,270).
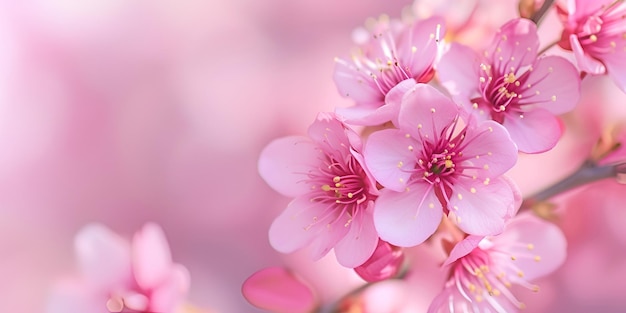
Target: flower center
(501,94)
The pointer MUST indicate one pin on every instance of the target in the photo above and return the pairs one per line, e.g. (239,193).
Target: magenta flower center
(341,185)
(439,162)
(501,93)
(488,273)
(597,33)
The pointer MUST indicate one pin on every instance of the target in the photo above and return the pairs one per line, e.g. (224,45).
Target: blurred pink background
(123,112)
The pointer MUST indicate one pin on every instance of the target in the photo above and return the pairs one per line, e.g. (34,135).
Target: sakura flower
(482,270)
(433,164)
(333,193)
(512,86)
(118,276)
(596,32)
(390,53)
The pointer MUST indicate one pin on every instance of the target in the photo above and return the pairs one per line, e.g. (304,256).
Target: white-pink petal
(489,149)
(296,226)
(359,243)
(535,132)
(390,157)
(151,257)
(425,110)
(407,218)
(285,162)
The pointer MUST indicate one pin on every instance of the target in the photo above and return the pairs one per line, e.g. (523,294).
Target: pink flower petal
(417,46)
(376,115)
(481,209)
(284,163)
(328,237)
(491,150)
(359,243)
(557,95)
(152,260)
(458,72)
(170,294)
(388,158)
(539,247)
(514,46)
(538,131)
(103,256)
(349,81)
(277,290)
(585,62)
(427,109)
(385,263)
(616,65)
(295,227)
(328,133)
(407,218)
(463,248)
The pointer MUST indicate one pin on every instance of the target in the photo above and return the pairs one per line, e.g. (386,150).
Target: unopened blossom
(595,30)
(389,53)
(118,276)
(513,86)
(483,270)
(438,162)
(333,193)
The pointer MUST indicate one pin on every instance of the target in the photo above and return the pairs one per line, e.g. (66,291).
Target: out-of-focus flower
(596,32)
(482,271)
(389,53)
(118,276)
(334,194)
(278,290)
(510,85)
(432,163)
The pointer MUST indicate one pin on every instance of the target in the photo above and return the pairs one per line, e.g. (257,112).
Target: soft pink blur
(124,112)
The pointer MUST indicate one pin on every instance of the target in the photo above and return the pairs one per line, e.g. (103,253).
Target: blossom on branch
(333,193)
(512,86)
(437,162)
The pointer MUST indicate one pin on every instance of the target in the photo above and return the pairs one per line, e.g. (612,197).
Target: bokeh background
(122,112)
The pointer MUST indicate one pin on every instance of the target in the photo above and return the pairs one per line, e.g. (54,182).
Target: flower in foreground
(596,32)
(333,193)
(482,270)
(434,162)
(389,53)
(118,276)
(512,86)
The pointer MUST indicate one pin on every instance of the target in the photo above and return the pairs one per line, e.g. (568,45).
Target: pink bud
(383,264)
(276,289)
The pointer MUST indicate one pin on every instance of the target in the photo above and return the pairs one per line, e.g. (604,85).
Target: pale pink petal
(277,290)
(103,256)
(417,46)
(389,159)
(285,162)
(481,209)
(558,94)
(458,72)
(136,301)
(355,83)
(375,114)
(585,62)
(616,65)
(407,218)
(359,243)
(152,260)
(328,237)
(425,110)
(514,46)
(538,130)
(328,133)
(490,149)
(538,247)
(296,226)
(463,248)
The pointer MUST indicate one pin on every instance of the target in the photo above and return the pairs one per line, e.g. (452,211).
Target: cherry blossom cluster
(421,155)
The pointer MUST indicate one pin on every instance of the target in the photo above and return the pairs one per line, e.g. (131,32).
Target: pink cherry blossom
(389,53)
(481,277)
(596,32)
(512,86)
(433,164)
(385,263)
(118,276)
(334,195)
